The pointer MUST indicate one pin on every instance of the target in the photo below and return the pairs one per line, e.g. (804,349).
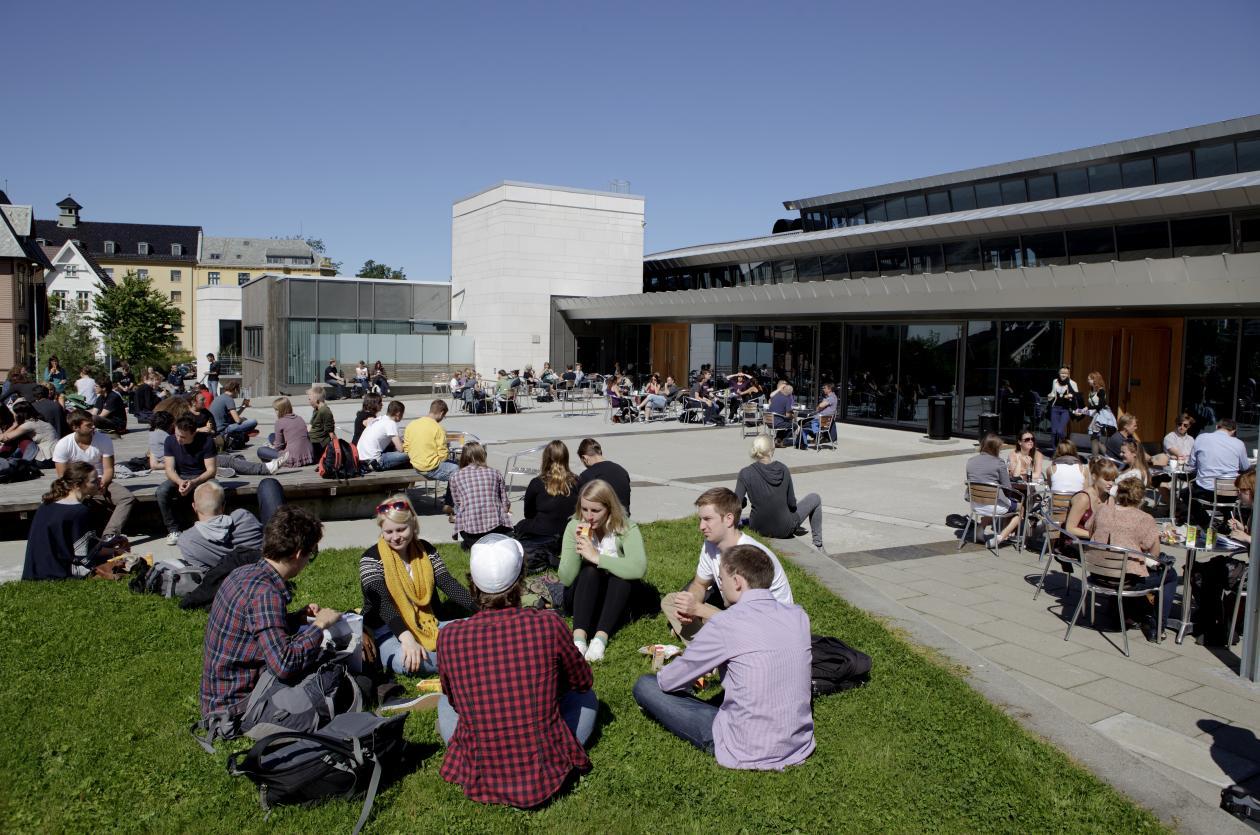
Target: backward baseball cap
(495,564)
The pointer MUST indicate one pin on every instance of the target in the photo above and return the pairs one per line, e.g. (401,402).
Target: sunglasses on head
(386,507)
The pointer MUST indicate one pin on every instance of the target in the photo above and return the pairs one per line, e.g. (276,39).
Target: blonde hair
(283,406)
(762,448)
(400,517)
(601,492)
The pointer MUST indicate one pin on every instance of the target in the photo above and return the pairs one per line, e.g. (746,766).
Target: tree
(138,322)
(317,244)
(70,340)
(371,269)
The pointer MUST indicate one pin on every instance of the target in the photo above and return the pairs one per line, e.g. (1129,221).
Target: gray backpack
(169,578)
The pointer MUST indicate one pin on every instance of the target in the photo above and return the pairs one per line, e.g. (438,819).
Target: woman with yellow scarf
(400,576)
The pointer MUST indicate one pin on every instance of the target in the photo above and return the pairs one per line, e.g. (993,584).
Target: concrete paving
(1169,726)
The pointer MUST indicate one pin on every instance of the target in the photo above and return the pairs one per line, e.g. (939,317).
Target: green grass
(99,687)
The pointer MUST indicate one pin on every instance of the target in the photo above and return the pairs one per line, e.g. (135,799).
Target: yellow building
(164,255)
(238,261)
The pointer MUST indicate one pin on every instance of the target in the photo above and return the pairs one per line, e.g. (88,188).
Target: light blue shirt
(1217,455)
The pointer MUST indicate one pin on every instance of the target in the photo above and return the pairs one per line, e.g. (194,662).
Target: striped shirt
(379,608)
(763,647)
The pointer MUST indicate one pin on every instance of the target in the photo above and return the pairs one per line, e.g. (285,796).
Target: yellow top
(424,441)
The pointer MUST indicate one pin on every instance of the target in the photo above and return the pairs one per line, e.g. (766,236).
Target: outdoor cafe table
(1177,472)
(1183,624)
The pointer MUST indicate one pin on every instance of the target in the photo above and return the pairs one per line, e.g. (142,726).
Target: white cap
(496,563)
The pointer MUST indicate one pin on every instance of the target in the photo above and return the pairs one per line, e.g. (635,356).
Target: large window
(1142,240)
(1091,245)
(1201,236)
(1207,381)
(254,342)
(1214,160)
(893,369)
(1029,359)
(872,382)
(980,355)
(961,256)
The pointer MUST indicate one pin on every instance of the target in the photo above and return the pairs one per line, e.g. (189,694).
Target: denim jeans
(394,460)
(683,715)
(578,709)
(442,472)
(213,386)
(247,425)
(1151,582)
(168,496)
(389,650)
(270,497)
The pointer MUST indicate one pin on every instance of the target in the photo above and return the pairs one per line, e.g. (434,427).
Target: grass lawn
(100,685)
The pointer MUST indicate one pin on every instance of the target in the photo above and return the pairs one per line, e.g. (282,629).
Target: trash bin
(989,422)
(939,422)
(1012,416)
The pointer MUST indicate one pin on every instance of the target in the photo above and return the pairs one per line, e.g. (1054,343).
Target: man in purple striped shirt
(763,649)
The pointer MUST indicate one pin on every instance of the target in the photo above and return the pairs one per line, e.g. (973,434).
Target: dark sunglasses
(385,507)
(1025,439)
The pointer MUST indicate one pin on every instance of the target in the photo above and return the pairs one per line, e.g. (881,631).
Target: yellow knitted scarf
(412,595)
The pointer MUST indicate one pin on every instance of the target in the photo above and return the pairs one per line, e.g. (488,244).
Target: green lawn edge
(99,688)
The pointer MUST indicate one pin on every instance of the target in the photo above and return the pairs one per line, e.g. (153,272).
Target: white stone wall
(220,301)
(514,246)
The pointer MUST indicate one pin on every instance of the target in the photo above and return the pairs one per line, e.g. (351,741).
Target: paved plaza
(1170,723)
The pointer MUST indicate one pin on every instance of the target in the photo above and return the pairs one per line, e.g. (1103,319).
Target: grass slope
(99,687)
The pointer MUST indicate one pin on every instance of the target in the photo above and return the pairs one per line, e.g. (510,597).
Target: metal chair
(1224,498)
(1104,573)
(515,468)
(982,503)
(692,410)
(768,421)
(826,429)
(750,419)
(1233,621)
(1054,520)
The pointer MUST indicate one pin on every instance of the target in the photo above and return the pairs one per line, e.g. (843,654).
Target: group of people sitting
(375,381)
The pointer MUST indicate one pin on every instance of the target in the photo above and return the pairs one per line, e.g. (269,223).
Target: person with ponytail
(400,576)
(62,542)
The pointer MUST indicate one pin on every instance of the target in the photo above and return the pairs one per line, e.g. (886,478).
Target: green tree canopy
(70,340)
(137,322)
(371,269)
(317,244)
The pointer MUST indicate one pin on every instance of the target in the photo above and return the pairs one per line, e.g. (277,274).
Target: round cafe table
(1192,551)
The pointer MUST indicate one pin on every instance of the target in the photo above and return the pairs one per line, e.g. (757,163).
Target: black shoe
(1149,631)
(800,531)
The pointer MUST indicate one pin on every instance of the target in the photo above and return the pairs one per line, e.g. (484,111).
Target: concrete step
(1196,757)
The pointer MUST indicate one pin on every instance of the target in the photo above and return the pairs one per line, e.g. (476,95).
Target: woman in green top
(601,555)
(323,426)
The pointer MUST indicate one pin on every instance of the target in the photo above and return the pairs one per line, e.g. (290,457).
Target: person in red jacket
(518,706)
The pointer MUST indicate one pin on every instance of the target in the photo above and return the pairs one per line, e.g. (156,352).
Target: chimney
(69,217)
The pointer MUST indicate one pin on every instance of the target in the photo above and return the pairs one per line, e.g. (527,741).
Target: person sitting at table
(1179,443)
(1216,455)
(1239,530)
(479,497)
(826,407)
(671,390)
(1067,473)
(701,393)
(1125,524)
(601,556)
(653,397)
(1133,463)
(767,485)
(1096,493)
(781,407)
(987,467)
(1026,463)
(400,576)
(1126,430)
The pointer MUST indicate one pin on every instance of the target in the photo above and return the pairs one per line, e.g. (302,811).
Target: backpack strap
(370,796)
(214,727)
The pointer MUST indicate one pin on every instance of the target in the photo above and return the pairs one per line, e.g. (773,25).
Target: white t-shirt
(86,387)
(67,451)
(377,438)
(710,556)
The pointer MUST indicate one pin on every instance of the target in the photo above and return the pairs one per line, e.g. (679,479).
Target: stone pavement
(1180,712)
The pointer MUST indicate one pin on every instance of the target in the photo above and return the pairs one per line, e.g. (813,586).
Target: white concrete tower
(515,245)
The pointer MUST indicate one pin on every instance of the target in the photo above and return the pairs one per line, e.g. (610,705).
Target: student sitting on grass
(517,703)
(62,543)
(763,648)
(216,533)
(691,608)
(400,576)
(601,555)
(253,642)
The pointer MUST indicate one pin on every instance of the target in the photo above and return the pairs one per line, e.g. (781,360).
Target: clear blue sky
(361,122)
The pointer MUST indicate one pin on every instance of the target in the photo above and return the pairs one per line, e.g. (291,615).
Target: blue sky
(360,123)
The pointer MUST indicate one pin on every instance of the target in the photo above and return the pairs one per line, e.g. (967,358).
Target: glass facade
(1220,374)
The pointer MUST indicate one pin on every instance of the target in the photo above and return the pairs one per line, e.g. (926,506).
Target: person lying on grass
(517,705)
(400,576)
(689,609)
(601,556)
(252,643)
(762,647)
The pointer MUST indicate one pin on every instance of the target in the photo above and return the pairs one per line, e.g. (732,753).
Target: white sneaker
(274,466)
(595,652)
(172,539)
(580,643)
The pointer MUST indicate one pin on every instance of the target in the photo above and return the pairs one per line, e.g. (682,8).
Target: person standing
(1063,399)
(517,704)
(85,443)
(212,374)
(1102,420)
(763,647)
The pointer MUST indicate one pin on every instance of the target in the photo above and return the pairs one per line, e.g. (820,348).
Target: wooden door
(1136,360)
(1146,364)
(670,350)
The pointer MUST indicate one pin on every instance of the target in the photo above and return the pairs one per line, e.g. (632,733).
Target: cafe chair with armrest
(1053,518)
(1104,573)
(983,503)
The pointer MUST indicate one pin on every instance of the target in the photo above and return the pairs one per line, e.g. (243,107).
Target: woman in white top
(1026,461)
(1067,473)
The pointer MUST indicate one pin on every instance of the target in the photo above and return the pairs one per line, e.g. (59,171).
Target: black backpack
(1242,804)
(13,470)
(340,460)
(345,757)
(837,666)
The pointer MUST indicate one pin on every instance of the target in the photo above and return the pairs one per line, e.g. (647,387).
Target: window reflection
(1214,160)
(872,385)
(1207,382)
(980,352)
(1248,412)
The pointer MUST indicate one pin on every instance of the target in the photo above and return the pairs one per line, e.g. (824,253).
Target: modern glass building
(1137,259)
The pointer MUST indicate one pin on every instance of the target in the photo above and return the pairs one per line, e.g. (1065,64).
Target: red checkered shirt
(504,672)
(480,498)
(247,631)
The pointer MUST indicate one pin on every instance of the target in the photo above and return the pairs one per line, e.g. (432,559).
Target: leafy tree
(371,269)
(69,339)
(138,322)
(317,244)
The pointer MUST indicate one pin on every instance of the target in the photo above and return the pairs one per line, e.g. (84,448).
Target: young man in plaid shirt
(251,633)
(517,705)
